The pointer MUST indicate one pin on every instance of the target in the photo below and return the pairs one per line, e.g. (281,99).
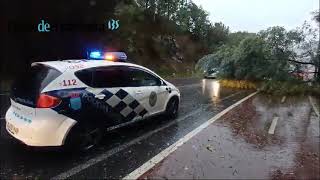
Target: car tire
(82,139)
(172,108)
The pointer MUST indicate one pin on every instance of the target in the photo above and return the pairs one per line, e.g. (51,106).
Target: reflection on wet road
(122,150)
(211,89)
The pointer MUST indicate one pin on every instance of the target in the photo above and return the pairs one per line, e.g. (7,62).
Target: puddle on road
(239,146)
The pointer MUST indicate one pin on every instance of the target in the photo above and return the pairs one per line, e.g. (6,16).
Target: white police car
(71,102)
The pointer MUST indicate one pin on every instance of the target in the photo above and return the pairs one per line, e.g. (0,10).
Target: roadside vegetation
(168,36)
(239,84)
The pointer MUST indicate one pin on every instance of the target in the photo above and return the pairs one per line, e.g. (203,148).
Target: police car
(71,102)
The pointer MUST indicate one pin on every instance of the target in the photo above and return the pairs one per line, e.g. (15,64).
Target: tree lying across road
(272,54)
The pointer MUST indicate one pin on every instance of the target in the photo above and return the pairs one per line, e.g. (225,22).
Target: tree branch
(299,62)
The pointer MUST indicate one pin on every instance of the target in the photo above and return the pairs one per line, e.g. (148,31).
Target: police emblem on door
(153,98)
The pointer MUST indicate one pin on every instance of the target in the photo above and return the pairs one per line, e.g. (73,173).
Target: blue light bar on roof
(95,55)
(109,56)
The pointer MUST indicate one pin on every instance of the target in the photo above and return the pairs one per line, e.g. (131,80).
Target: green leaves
(251,59)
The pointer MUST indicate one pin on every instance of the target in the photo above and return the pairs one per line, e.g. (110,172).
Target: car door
(118,96)
(99,100)
(110,89)
(150,90)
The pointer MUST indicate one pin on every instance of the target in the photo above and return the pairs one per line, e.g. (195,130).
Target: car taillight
(46,101)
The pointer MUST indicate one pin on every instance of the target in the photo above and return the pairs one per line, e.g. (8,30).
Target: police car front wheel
(172,108)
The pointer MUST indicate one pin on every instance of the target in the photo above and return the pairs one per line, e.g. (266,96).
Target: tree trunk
(168,9)
(318,71)
(147,3)
(317,64)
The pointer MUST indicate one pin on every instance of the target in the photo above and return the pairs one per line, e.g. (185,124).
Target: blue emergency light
(95,55)
(109,56)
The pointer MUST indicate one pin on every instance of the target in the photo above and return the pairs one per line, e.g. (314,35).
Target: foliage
(223,57)
(204,62)
(309,47)
(295,50)
(234,39)
(217,35)
(251,60)
(189,18)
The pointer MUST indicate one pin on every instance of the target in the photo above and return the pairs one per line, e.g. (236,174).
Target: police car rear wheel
(90,139)
(83,139)
(172,108)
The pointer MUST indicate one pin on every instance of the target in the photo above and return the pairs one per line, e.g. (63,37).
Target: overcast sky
(255,15)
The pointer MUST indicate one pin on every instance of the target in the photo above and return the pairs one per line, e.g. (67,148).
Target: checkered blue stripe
(123,103)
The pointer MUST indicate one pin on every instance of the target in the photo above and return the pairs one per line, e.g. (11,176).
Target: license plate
(12,128)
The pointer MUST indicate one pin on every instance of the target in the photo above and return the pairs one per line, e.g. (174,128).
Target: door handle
(138,92)
(100,96)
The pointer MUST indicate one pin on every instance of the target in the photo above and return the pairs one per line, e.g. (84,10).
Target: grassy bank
(275,87)
(239,84)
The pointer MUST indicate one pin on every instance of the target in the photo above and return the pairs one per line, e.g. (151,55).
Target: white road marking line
(315,109)
(273,125)
(6,94)
(163,154)
(283,99)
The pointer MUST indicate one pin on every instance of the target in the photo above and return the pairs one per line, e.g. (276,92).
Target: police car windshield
(28,85)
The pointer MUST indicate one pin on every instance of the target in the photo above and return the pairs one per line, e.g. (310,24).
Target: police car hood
(172,86)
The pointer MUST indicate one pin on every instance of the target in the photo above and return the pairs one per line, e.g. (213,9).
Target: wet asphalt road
(122,150)
(239,145)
